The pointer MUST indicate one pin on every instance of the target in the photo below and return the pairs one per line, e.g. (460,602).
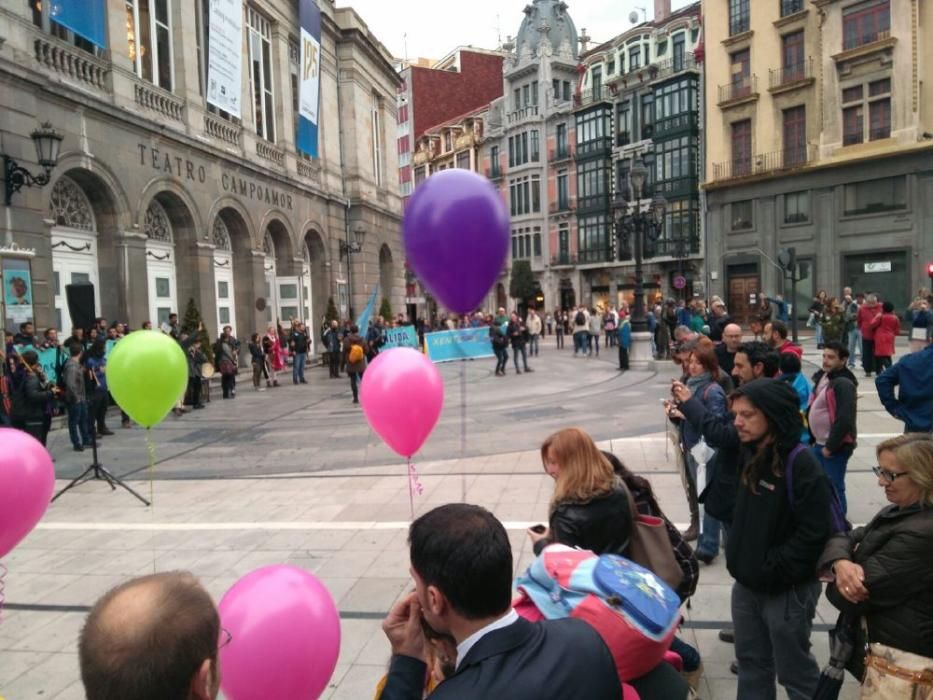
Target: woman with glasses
(883,573)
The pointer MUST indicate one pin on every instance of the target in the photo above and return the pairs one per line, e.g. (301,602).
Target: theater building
(158,198)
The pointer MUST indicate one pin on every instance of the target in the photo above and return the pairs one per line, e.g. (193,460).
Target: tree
(190,323)
(522,285)
(331,313)
(385,309)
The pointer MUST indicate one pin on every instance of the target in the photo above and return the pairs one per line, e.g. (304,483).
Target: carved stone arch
(69,206)
(239,222)
(102,187)
(179,205)
(277,226)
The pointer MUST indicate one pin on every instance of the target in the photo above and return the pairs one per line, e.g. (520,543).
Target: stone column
(132,298)
(195,273)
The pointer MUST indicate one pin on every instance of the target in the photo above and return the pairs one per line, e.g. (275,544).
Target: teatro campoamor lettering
(247,188)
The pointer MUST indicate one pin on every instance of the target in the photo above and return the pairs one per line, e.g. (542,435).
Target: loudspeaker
(80,305)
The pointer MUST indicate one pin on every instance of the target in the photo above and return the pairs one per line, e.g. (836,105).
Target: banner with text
(225,56)
(50,360)
(309,92)
(401,337)
(467,343)
(86,18)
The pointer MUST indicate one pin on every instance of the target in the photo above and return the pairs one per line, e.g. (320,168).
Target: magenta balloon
(27,479)
(402,395)
(456,230)
(285,636)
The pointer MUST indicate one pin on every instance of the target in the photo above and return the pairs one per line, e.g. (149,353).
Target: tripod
(99,472)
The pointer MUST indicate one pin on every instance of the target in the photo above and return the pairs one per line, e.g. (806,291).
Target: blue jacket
(625,334)
(914,402)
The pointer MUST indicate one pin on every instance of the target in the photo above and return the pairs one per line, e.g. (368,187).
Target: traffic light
(930,270)
(787,259)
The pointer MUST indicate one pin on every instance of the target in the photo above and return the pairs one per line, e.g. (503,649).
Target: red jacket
(886,327)
(866,315)
(788,346)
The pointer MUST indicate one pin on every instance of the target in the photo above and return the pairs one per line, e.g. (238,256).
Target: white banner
(225,60)
(310,76)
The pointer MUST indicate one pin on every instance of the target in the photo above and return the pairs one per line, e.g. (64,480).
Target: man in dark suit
(461,561)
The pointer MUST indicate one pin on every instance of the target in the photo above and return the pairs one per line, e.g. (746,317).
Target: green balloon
(147,372)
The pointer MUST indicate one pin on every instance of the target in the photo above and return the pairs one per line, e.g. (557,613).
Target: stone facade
(157,198)
(819,137)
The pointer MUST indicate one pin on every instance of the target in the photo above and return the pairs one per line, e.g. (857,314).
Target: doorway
(744,287)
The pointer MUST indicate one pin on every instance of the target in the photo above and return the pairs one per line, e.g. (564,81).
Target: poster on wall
(225,56)
(310,90)
(17,290)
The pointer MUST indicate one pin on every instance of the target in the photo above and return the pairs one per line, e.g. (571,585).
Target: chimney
(662,10)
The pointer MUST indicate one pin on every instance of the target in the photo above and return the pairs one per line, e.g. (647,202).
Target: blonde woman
(883,572)
(590,506)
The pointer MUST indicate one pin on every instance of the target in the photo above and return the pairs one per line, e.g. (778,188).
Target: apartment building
(819,135)
(159,198)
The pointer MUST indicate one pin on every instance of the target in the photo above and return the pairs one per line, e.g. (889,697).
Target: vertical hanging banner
(310,79)
(225,56)
(86,18)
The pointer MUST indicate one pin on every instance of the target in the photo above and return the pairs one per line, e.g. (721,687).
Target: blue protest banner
(467,343)
(362,321)
(401,337)
(49,360)
(86,18)
(309,16)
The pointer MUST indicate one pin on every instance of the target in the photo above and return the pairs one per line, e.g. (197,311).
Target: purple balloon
(456,230)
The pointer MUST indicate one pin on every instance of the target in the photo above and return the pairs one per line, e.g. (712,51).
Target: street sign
(680,282)
(878,267)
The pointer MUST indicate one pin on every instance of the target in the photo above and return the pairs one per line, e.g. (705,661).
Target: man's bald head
(152,638)
(732,336)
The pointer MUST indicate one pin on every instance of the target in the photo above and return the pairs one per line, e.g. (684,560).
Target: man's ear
(437,601)
(202,685)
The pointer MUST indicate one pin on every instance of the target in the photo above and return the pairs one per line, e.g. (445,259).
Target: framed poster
(343,299)
(17,291)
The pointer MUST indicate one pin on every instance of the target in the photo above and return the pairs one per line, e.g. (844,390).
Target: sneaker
(706,558)
(356,400)
(302,381)
(106,431)
(727,636)
(528,369)
(198,406)
(734,668)
(79,448)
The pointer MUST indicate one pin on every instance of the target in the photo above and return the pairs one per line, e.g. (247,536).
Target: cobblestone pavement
(295,476)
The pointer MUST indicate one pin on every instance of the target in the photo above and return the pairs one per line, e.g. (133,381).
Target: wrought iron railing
(561,153)
(738,89)
(562,205)
(788,75)
(853,41)
(764,163)
(675,64)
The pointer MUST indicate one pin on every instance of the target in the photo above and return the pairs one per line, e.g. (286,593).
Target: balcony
(227,131)
(791,77)
(310,169)
(494,173)
(672,66)
(765,163)
(597,255)
(562,206)
(867,45)
(270,152)
(678,187)
(593,96)
(556,155)
(854,41)
(685,122)
(563,259)
(160,101)
(524,114)
(593,149)
(738,92)
(72,63)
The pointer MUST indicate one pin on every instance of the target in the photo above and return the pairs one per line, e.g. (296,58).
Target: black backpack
(579,319)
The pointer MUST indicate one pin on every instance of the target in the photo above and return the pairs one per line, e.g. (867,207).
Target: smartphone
(539,529)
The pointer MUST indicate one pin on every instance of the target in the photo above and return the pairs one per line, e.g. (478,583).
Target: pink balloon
(27,479)
(402,395)
(284,636)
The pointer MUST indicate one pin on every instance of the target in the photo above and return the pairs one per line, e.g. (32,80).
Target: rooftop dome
(546,17)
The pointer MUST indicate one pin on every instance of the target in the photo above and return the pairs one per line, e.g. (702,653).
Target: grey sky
(435,27)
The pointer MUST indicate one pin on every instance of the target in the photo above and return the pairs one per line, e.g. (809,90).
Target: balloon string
(414,486)
(3,573)
(463,430)
(150,450)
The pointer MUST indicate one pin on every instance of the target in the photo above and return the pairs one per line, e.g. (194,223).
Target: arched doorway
(386,275)
(316,257)
(282,275)
(223,275)
(162,282)
(247,270)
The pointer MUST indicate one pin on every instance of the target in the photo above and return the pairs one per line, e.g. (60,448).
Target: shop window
(872,196)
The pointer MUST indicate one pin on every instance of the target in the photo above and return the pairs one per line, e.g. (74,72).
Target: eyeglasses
(225,638)
(887,474)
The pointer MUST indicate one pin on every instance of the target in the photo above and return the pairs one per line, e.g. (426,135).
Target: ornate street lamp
(640,220)
(48,143)
(348,248)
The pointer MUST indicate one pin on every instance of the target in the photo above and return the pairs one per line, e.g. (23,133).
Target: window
(674,101)
(566,85)
(593,242)
(518,98)
(534,94)
(535,149)
(742,215)
(789,7)
(681,234)
(596,81)
(621,62)
(877,105)
(537,242)
(796,207)
(679,51)
(149,36)
(738,17)
(563,193)
(795,136)
(376,120)
(555,88)
(871,196)
(163,287)
(494,161)
(42,19)
(448,142)
(742,147)
(611,66)
(647,116)
(563,242)
(520,196)
(561,141)
(865,22)
(592,183)
(741,71)
(593,126)
(792,58)
(260,60)
(675,159)
(402,114)
(526,95)
(536,193)
(463,160)
(223,289)
(419,175)
(624,123)
(634,58)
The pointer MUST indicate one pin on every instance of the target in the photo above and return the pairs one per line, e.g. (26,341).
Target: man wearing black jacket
(832,416)
(780,525)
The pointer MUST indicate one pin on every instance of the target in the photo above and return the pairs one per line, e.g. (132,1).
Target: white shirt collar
(463,648)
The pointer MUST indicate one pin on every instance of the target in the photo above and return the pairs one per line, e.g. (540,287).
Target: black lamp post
(348,248)
(641,220)
(48,143)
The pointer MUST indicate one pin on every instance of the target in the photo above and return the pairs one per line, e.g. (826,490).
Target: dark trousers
(36,428)
(515,352)
(594,343)
(355,380)
(97,411)
(868,355)
(882,363)
(228,385)
(333,361)
(560,337)
(194,389)
(623,357)
(502,359)
(298,367)
(77,424)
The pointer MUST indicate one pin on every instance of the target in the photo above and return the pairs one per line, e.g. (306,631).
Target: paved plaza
(294,475)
